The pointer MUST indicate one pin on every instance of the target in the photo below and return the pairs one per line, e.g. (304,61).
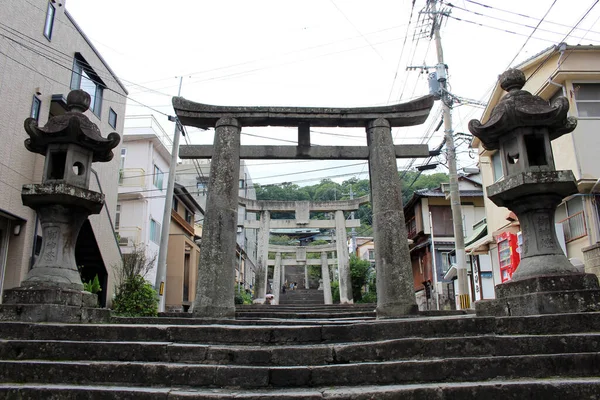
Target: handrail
(112,226)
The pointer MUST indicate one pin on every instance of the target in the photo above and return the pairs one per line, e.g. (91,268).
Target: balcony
(132,177)
(411,228)
(129,235)
(574,226)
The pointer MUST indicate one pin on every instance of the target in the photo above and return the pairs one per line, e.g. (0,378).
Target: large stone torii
(215,287)
(302,210)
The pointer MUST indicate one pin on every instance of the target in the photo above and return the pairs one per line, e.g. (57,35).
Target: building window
(497,166)
(448,259)
(572,218)
(158,177)
(189,217)
(154,231)
(587,99)
(175,205)
(241,183)
(48,27)
(35,108)
(112,118)
(371,254)
(118,217)
(86,79)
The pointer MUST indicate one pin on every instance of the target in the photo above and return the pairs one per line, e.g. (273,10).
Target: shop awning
(477,234)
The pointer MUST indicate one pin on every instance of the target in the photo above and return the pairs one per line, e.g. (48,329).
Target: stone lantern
(52,290)
(521,128)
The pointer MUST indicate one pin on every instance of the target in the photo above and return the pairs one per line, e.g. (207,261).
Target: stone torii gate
(302,210)
(215,287)
(301,257)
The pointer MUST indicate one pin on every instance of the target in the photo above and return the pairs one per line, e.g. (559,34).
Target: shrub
(335,291)
(241,296)
(92,286)
(136,298)
(370,297)
(359,272)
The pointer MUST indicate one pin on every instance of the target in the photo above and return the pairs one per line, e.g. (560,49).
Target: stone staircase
(176,357)
(302,297)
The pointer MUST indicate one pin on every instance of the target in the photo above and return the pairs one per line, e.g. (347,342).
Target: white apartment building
(145,158)
(43,55)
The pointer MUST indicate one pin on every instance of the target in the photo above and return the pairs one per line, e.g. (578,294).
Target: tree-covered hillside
(329,190)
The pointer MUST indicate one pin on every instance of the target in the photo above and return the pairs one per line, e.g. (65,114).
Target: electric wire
(532,32)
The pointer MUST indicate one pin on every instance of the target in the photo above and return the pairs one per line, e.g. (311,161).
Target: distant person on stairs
(295,286)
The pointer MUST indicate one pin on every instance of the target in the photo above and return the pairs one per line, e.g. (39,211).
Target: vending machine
(508,254)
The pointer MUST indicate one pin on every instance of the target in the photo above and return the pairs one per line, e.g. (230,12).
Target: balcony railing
(411,228)
(129,235)
(132,177)
(574,226)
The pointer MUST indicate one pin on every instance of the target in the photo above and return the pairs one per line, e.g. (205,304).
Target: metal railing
(574,226)
(129,235)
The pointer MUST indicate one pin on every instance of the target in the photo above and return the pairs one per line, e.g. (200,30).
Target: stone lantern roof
(519,109)
(73,127)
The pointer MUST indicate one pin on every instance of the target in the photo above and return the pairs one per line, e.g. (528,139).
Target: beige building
(430,227)
(573,72)
(183,252)
(45,55)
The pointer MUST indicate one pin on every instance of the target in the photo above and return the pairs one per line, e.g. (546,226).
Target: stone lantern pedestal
(52,290)
(521,128)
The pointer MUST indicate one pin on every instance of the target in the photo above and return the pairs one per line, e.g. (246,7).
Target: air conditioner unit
(125,241)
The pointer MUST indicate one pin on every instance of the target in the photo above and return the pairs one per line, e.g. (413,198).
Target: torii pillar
(215,289)
(395,291)
(343,258)
(262,274)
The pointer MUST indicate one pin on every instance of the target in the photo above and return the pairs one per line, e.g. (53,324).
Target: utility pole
(459,239)
(161,268)
(447,99)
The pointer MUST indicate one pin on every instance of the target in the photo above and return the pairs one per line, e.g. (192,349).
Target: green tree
(359,273)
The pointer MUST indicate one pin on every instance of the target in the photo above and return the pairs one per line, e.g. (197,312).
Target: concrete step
(305,315)
(272,332)
(577,388)
(438,357)
(464,369)
(296,355)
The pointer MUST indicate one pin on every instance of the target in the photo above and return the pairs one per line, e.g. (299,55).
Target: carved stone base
(47,304)
(551,294)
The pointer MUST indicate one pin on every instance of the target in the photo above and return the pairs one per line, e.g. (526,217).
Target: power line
(567,35)
(516,13)
(497,29)
(49,58)
(532,32)
(515,22)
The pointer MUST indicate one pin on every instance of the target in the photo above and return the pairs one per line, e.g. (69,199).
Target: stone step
(577,388)
(464,369)
(298,355)
(305,315)
(273,332)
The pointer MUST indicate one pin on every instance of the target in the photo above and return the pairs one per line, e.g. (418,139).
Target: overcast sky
(319,53)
